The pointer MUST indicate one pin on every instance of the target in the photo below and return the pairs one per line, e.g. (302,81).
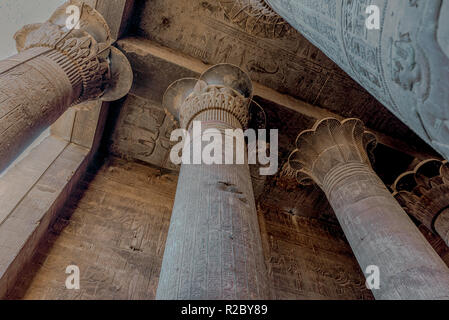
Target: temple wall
(309,259)
(116,234)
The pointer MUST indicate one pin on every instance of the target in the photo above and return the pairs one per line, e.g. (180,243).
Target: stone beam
(37,189)
(115,12)
(404,64)
(83,125)
(156,67)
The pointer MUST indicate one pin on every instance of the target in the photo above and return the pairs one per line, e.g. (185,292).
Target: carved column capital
(330,147)
(211,198)
(95,68)
(223,94)
(424,195)
(57,67)
(334,154)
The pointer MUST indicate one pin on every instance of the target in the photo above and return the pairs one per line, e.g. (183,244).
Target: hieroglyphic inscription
(114,229)
(404,64)
(19,114)
(288,64)
(308,258)
(143,132)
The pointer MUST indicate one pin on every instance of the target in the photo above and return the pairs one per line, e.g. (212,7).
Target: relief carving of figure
(406,72)
(434,109)
(419,66)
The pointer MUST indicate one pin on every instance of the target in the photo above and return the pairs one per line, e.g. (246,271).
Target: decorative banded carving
(56,68)
(86,54)
(256,17)
(330,144)
(211,97)
(222,93)
(424,194)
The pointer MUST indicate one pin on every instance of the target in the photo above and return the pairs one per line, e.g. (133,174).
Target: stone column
(213,248)
(333,154)
(424,195)
(56,68)
(404,64)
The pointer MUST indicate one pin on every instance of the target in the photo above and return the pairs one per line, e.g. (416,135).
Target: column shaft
(334,154)
(214,247)
(34,92)
(380,233)
(56,67)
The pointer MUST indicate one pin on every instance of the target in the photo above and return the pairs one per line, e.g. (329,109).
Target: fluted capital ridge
(330,144)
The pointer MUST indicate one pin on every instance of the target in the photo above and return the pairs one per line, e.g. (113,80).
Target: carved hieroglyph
(56,68)
(333,154)
(405,64)
(214,248)
(424,194)
(256,17)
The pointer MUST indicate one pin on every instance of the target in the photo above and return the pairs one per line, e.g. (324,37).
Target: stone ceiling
(296,84)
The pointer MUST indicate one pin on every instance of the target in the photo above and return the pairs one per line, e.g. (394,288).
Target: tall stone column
(56,68)
(333,155)
(213,248)
(424,195)
(404,64)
